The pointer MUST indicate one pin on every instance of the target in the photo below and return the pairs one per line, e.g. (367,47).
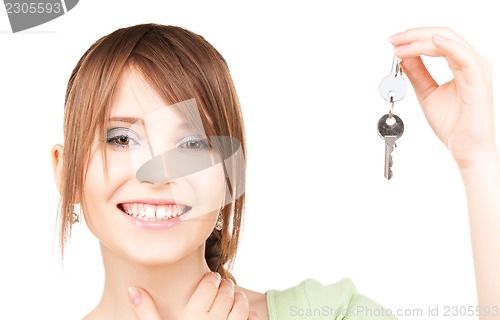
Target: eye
(195,143)
(122,138)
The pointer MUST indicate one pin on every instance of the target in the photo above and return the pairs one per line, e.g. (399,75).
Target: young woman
(154,152)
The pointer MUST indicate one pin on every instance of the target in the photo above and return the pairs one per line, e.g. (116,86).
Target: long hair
(179,65)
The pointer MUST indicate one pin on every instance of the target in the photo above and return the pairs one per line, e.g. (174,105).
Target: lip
(153,225)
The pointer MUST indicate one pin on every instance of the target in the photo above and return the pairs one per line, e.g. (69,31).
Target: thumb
(420,78)
(143,304)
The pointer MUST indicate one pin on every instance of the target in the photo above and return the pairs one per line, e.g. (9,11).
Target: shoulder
(311,292)
(310,299)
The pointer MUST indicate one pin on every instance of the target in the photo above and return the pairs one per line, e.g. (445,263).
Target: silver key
(393,87)
(390,129)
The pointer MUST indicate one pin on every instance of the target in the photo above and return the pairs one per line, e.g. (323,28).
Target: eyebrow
(130,120)
(133,120)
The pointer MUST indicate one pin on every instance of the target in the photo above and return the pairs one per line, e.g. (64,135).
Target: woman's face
(140,206)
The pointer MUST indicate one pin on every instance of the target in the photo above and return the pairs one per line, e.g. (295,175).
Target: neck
(170,285)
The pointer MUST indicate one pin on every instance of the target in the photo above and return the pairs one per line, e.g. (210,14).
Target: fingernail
(231,283)
(400,49)
(395,37)
(217,274)
(134,296)
(440,38)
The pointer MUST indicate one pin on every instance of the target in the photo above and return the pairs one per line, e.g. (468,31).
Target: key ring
(391,110)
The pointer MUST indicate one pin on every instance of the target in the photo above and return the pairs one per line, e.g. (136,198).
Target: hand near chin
(213,299)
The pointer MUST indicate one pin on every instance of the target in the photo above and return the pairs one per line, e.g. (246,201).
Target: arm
(482,186)
(461,114)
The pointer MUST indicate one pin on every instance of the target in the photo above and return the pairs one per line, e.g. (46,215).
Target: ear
(56,155)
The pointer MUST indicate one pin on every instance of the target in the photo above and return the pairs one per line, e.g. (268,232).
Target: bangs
(180,68)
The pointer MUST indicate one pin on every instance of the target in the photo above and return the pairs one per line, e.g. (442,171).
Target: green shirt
(312,300)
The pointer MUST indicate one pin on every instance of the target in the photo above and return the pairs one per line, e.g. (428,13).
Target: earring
(220,222)
(75,218)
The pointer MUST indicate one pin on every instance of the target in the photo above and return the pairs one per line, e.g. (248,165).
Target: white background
(317,203)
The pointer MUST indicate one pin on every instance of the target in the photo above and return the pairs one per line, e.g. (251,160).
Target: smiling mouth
(153,213)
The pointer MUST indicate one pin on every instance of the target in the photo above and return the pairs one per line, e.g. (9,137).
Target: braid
(214,255)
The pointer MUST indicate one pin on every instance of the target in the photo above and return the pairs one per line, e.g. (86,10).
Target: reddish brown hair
(179,65)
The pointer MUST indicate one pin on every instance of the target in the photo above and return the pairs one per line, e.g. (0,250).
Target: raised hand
(460,111)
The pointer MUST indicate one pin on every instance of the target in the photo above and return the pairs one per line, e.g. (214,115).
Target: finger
(204,295)
(143,304)
(422,41)
(425,34)
(471,71)
(253,316)
(459,57)
(422,82)
(240,309)
(224,300)
(417,48)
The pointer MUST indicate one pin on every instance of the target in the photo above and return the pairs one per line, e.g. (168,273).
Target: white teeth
(149,212)
(161,213)
(177,212)
(141,211)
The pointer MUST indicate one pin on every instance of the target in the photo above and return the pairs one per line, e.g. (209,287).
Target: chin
(158,251)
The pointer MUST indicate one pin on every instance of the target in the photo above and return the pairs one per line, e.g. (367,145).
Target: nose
(173,164)
(153,171)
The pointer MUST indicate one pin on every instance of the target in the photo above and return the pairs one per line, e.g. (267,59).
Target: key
(390,129)
(393,87)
